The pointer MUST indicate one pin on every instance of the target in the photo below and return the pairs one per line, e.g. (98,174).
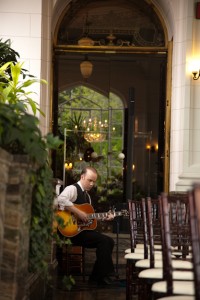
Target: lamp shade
(86,68)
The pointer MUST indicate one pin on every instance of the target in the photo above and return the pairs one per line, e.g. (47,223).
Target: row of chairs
(163,261)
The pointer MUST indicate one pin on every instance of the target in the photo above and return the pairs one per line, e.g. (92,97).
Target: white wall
(185,147)
(27,24)
(183,28)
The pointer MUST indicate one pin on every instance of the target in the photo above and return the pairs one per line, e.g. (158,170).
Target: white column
(185,121)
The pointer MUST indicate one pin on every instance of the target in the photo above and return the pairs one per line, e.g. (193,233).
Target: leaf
(15,72)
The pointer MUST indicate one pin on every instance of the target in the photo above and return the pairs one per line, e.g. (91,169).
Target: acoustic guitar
(72,226)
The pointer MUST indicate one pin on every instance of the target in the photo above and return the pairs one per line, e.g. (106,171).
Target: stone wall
(15,214)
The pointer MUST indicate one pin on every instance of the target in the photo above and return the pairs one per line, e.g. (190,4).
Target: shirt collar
(79,183)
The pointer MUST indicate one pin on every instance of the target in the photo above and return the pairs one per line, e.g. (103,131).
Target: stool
(73,260)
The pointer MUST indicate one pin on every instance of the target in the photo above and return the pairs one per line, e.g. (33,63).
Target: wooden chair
(155,273)
(154,236)
(138,236)
(195,237)
(176,236)
(74,260)
(71,258)
(194,204)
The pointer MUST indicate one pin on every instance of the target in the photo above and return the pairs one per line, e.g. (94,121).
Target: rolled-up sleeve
(67,197)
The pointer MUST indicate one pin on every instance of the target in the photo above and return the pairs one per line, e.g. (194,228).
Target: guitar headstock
(125,213)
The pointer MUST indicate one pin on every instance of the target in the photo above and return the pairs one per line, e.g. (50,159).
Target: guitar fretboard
(103,215)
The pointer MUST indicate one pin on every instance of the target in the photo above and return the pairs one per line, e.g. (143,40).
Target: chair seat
(179,287)
(178,298)
(178,264)
(136,250)
(141,246)
(158,274)
(134,256)
(145,263)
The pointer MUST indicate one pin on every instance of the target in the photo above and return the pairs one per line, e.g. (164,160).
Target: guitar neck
(99,216)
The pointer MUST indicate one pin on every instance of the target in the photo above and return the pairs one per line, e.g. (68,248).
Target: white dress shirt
(68,196)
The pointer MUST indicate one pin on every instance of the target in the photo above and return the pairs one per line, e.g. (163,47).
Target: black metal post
(130,143)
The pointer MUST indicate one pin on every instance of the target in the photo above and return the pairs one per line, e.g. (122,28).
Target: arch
(96,89)
(166,15)
(163,9)
(143,67)
(59,10)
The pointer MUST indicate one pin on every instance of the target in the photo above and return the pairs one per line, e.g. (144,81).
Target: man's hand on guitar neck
(109,217)
(79,213)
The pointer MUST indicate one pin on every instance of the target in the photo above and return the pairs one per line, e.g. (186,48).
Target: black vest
(81,197)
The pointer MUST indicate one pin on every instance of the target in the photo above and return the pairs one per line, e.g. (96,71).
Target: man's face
(88,180)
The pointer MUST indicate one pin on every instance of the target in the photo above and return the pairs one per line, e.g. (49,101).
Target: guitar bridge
(84,224)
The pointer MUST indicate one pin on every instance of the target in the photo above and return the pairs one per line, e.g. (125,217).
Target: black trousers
(103,266)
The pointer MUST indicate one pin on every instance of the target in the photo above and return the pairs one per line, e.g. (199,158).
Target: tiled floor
(85,291)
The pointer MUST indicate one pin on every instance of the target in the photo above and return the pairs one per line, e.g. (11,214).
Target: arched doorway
(126,44)
(92,127)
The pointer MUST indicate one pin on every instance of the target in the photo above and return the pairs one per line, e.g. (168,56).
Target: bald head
(88,178)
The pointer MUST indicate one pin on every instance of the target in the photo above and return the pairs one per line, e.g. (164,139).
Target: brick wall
(15,214)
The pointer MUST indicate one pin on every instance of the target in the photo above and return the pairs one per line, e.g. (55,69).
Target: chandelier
(95,131)
(93,137)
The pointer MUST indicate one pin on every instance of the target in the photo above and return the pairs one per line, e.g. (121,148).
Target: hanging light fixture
(86,68)
(95,131)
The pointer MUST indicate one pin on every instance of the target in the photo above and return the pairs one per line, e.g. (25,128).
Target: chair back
(154,227)
(175,229)
(194,209)
(138,224)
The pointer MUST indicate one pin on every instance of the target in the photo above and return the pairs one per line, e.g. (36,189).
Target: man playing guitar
(67,201)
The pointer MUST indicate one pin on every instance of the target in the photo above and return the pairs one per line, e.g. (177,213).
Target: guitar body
(72,225)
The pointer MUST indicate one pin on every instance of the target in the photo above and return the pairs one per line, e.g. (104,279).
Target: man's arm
(79,213)
(66,199)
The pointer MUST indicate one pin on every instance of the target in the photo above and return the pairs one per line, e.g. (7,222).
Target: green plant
(20,134)
(7,54)
(14,91)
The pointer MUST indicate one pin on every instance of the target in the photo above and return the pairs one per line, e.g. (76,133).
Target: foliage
(13,90)
(7,54)
(20,134)
(42,218)
(74,136)
(80,103)
(68,282)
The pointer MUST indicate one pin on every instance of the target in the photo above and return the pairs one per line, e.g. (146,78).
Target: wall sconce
(152,148)
(196,75)
(86,68)
(148,147)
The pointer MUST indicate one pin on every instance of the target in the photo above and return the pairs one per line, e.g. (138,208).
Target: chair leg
(129,273)
(74,260)
(131,279)
(144,289)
